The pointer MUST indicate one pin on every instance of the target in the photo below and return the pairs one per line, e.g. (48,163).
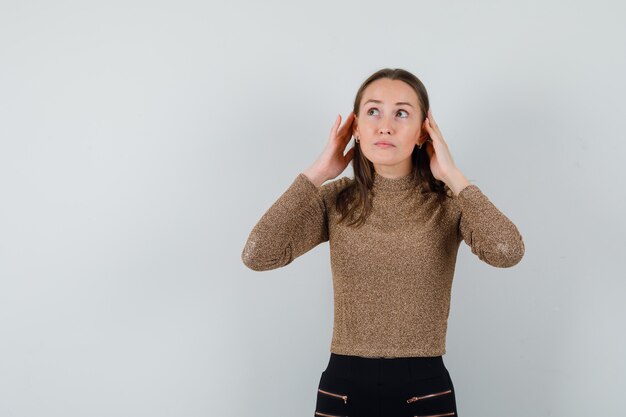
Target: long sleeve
(491,235)
(293,225)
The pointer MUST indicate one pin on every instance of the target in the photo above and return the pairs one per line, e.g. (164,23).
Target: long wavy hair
(354,201)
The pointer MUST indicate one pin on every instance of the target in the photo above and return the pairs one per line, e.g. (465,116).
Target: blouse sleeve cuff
(306,185)
(469,192)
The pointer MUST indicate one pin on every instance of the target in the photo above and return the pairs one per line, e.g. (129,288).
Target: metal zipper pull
(344,397)
(317,413)
(413,399)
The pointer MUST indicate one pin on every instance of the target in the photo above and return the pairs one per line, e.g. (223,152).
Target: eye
(375,109)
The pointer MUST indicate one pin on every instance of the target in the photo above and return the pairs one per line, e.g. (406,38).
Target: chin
(390,159)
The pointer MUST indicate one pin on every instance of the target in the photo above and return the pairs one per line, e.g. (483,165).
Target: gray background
(141,141)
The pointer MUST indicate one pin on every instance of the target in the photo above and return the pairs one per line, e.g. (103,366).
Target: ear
(423,135)
(355,126)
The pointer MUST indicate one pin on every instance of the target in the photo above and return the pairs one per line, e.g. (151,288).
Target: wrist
(457,182)
(315,176)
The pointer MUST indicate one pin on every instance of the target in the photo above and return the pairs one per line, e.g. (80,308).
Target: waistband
(385,370)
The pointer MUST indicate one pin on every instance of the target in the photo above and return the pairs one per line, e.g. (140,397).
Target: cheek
(368,122)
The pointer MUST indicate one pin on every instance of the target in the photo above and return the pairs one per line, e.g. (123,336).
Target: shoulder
(446,202)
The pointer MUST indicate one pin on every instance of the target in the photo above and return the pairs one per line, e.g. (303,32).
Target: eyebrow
(378,101)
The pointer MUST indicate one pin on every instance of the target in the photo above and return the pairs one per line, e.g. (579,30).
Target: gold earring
(419,146)
(356,139)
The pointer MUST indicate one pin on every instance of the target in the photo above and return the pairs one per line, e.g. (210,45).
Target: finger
(348,123)
(429,126)
(432,129)
(346,134)
(431,118)
(333,128)
(349,155)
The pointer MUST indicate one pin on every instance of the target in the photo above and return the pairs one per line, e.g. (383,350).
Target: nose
(384,127)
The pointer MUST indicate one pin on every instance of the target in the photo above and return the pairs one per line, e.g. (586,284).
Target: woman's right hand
(332,161)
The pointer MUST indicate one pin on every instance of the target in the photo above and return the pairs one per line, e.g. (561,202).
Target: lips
(383,143)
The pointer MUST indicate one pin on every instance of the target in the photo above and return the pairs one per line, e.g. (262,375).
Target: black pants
(356,386)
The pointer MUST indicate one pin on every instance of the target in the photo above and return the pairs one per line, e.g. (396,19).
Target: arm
(490,234)
(293,225)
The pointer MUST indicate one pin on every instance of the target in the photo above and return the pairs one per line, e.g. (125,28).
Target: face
(389,125)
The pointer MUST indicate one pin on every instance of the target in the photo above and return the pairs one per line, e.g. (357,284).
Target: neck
(400,183)
(399,170)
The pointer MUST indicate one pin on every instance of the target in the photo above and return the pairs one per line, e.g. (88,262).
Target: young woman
(394,231)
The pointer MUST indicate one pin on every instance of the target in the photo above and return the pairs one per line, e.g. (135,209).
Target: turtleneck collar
(385,184)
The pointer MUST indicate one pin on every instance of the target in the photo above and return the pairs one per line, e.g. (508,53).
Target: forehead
(390,92)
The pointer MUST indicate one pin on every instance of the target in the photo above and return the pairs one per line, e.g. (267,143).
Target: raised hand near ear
(441,163)
(332,161)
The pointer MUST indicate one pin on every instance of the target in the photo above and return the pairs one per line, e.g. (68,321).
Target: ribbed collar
(385,184)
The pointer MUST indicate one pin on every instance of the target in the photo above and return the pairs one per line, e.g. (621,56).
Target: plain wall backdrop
(141,141)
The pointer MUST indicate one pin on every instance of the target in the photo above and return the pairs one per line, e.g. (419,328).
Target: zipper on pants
(317,413)
(413,399)
(343,397)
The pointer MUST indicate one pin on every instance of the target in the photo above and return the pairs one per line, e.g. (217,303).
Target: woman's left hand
(441,163)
